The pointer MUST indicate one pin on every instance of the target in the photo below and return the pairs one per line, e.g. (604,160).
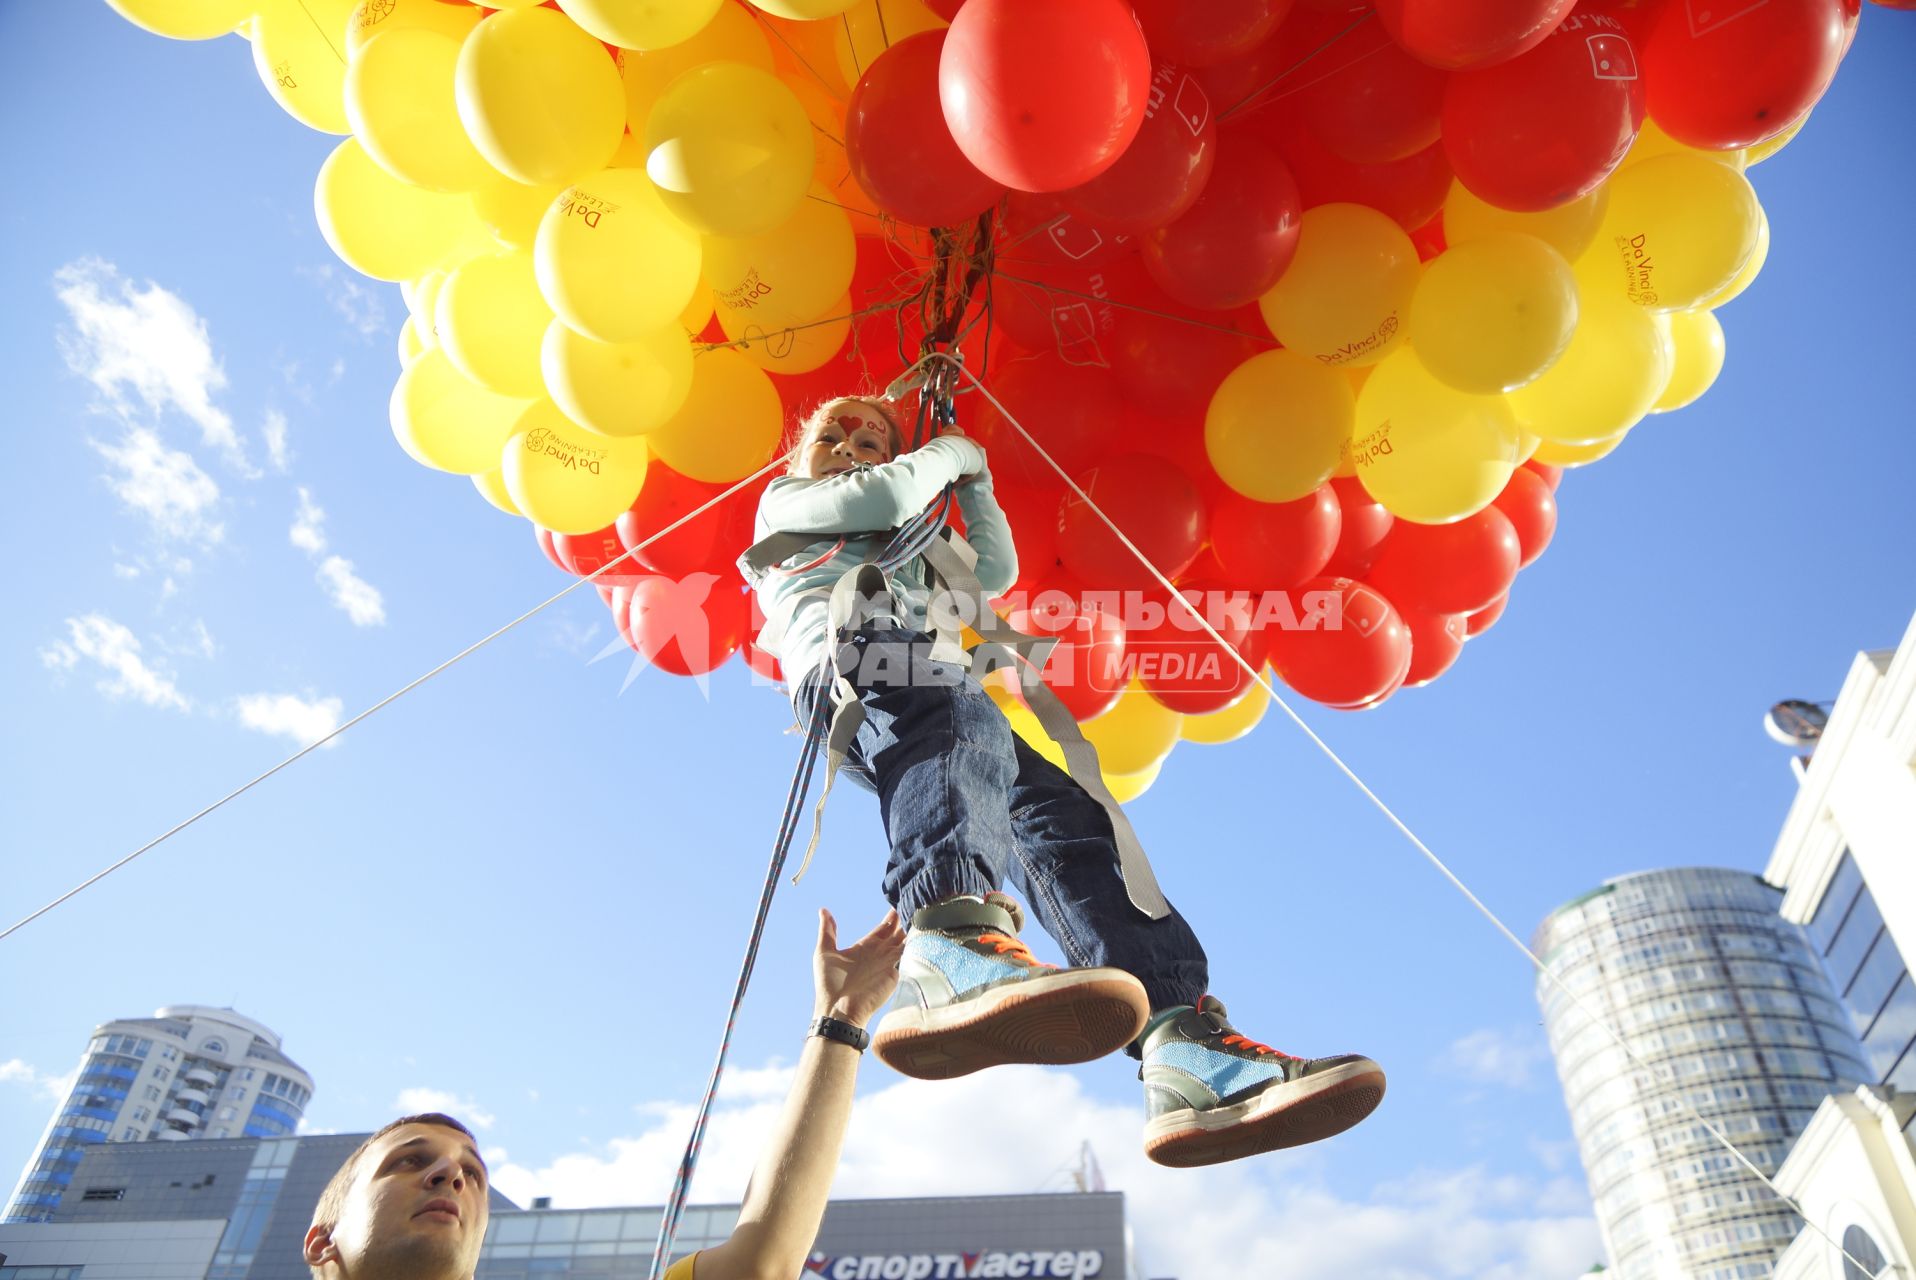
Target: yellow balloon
(1278,424)
(613,262)
(1696,341)
(642,24)
(697,313)
(399,101)
(1343,299)
(728,426)
(567,479)
(539,97)
(869,27)
(1614,369)
(804,10)
(411,345)
(1568,228)
(1126,787)
(186,19)
(1678,230)
(1652,141)
(511,210)
(491,319)
(446,420)
(1025,723)
(729,149)
(1230,724)
(617,389)
(1493,313)
(1136,733)
(1429,452)
(492,487)
(1751,269)
(382,227)
(376,17)
(1770,146)
(796,272)
(299,50)
(797,348)
(731,36)
(1577,455)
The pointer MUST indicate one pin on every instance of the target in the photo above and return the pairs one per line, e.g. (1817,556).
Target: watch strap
(843,1032)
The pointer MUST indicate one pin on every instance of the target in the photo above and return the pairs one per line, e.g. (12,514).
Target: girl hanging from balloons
(966,803)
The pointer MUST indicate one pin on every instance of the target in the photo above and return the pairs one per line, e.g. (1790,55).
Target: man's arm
(786,1199)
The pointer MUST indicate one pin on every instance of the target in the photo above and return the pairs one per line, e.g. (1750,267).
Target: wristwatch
(843,1032)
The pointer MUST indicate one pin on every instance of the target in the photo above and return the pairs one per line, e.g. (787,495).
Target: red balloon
(1234,243)
(1032,512)
(1435,641)
(1545,128)
(1183,667)
(1482,620)
(1203,35)
(1429,239)
(1448,568)
(1163,171)
(715,537)
(582,554)
(544,537)
(1087,668)
(1273,546)
(898,146)
(688,626)
(1744,73)
(1156,505)
(1071,410)
(1408,191)
(1168,356)
(946,9)
(1364,526)
(1532,510)
(1350,648)
(1552,476)
(1043,94)
(1471,33)
(1371,102)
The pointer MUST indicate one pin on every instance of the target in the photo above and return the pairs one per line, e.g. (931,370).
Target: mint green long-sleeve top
(853,514)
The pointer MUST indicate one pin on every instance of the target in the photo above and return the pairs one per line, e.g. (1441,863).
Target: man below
(410,1202)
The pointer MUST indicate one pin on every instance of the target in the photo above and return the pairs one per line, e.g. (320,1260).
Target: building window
(213,1046)
(226,1113)
(129,1134)
(104,1193)
(152,1093)
(1858,1244)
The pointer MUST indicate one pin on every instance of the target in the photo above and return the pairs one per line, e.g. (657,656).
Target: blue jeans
(967,804)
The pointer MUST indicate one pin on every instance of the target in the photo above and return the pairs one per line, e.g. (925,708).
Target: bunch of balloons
(1314,298)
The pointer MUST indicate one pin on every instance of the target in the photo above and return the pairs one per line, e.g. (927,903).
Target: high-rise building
(187,1072)
(1725,1009)
(1846,858)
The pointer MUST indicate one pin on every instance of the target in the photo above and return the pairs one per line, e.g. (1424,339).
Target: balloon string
(1274,81)
(336,53)
(1130,306)
(764,335)
(851,42)
(1616,1037)
(399,693)
(792,49)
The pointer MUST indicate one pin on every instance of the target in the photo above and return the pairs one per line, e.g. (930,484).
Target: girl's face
(850,433)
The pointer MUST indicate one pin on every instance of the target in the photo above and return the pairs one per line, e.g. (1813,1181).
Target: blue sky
(526,890)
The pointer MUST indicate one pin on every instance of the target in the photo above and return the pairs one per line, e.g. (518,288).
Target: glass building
(1726,1009)
(187,1072)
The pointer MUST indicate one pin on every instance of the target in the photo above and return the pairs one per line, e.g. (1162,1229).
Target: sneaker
(1212,1095)
(970,996)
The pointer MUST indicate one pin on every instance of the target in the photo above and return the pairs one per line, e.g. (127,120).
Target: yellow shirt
(682,1269)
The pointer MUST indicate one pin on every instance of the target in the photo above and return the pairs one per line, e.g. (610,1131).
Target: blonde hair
(809,425)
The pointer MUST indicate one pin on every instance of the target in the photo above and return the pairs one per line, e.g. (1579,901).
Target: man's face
(417,1208)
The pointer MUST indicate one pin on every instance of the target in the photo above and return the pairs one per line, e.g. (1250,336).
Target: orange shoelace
(1234,1039)
(1004,944)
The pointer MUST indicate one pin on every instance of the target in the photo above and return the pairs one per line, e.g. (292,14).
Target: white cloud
(42,1084)
(304,720)
(126,571)
(362,309)
(309,525)
(1496,1057)
(1275,1215)
(111,646)
(145,342)
(274,432)
(465,1110)
(359,599)
(164,485)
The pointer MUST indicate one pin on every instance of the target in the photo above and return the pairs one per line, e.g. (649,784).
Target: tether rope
(1615,1037)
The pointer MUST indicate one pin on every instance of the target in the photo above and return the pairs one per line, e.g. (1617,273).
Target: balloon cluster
(1314,298)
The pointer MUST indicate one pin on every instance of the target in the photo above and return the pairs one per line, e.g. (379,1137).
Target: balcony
(180,1115)
(201,1076)
(193,1095)
(172,1135)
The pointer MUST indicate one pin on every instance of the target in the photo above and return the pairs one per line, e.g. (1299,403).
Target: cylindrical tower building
(1726,1008)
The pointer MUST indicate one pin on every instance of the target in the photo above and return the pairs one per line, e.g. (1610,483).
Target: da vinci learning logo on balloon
(1611,56)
